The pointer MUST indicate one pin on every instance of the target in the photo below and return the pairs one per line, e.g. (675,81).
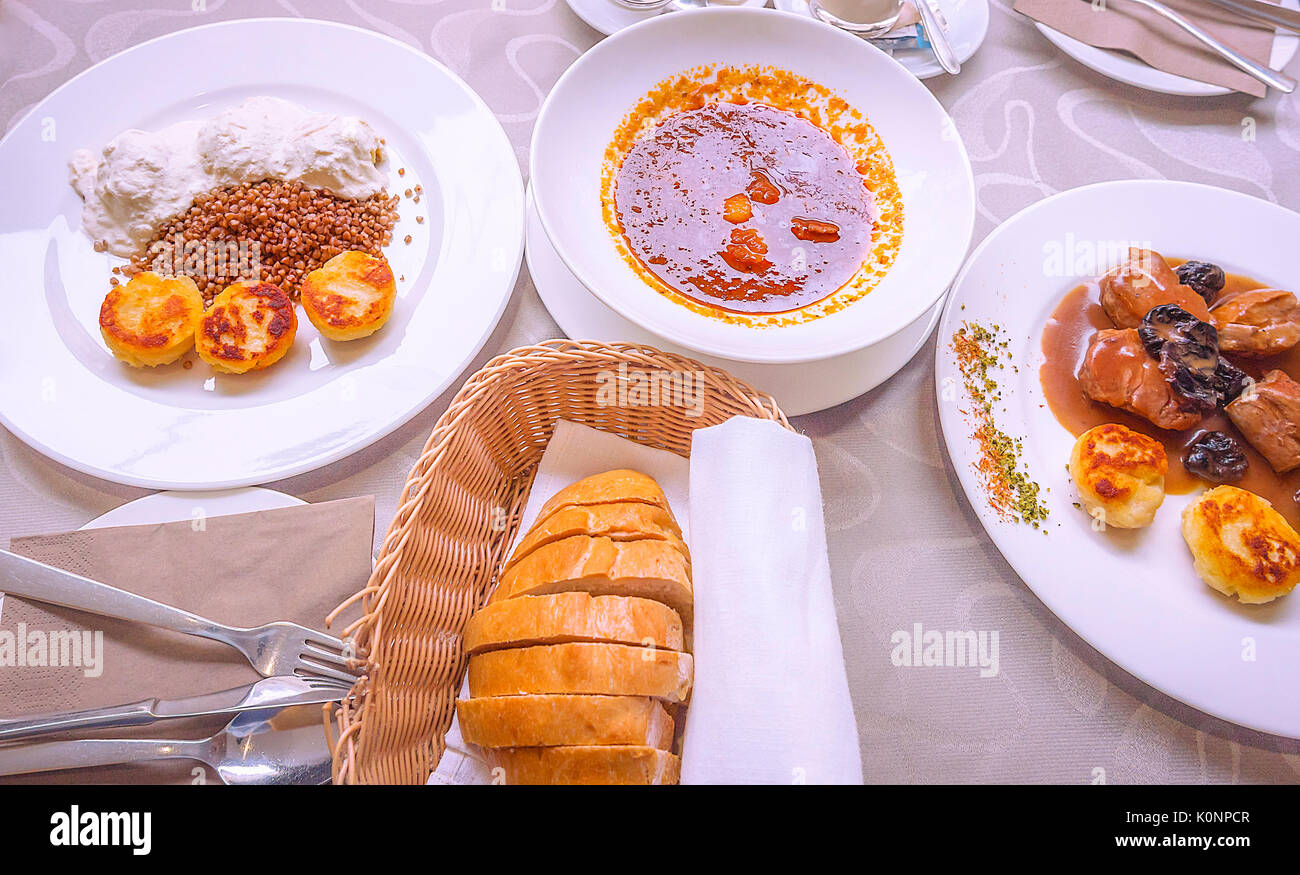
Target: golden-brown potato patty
(350,297)
(150,320)
(1241,545)
(1120,475)
(250,326)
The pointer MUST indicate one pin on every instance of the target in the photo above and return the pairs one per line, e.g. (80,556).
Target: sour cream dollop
(142,178)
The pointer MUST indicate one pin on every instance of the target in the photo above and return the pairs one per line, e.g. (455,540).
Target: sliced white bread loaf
(604,669)
(619,521)
(567,617)
(548,721)
(645,569)
(586,765)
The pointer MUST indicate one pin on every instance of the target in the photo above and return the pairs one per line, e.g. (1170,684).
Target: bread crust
(601,566)
(568,617)
(550,721)
(349,297)
(1241,545)
(619,485)
(618,521)
(150,321)
(601,669)
(586,765)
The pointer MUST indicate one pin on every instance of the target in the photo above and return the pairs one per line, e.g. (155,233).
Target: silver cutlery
(1265,12)
(270,746)
(276,692)
(939,42)
(1271,78)
(273,649)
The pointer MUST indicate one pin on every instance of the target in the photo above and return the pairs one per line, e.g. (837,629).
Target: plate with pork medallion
(1116,374)
(753,185)
(240,271)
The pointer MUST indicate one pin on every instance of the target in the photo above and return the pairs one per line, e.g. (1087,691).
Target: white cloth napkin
(771,699)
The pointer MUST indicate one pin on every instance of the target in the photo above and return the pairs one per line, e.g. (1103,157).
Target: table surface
(1035,123)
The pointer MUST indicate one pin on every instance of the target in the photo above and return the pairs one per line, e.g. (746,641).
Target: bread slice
(547,721)
(567,617)
(600,566)
(602,669)
(612,486)
(621,764)
(619,521)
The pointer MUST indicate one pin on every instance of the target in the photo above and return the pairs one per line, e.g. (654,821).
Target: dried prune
(1231,381)
(1217,457)
(1170,322)
(1187,350)
(1201,277)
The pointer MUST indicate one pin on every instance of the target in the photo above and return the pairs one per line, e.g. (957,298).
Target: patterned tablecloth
(1035,123)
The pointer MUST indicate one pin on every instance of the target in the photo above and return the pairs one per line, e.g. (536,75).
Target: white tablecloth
(1034,123)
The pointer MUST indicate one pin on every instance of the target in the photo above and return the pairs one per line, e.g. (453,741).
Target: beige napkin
(1119,24)
(293,563)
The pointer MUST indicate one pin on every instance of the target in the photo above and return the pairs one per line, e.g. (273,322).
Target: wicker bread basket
(457,516)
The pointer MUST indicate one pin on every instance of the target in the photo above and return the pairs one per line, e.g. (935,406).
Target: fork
(269,746)
(273,649)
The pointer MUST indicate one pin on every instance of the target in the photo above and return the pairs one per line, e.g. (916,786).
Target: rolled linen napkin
(771,701)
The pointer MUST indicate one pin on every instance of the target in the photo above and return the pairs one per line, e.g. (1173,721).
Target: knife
(273,692)
(1265,12)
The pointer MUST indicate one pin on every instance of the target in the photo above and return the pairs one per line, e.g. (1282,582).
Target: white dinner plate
(64,393)
(968,24)
(1133,596)
(587,104)
(798,388)
(609,16)
(1131,70)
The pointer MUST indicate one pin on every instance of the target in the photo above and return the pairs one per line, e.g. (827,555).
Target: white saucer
(607,16)
(1123,67)
(798,388)
(174,506)
(968,24)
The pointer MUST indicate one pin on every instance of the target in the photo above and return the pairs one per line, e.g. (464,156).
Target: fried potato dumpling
(1120,475)
(250,326)
(1241,545)
(150,320)
(350,297)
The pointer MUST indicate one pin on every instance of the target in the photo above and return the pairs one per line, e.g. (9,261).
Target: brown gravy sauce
(1066,336)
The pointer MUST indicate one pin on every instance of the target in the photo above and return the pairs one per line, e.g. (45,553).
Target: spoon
(271,746)
(939,44)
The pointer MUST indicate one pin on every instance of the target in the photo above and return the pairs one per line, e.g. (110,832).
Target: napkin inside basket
(1119,24)
(293,563)
(771,701)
